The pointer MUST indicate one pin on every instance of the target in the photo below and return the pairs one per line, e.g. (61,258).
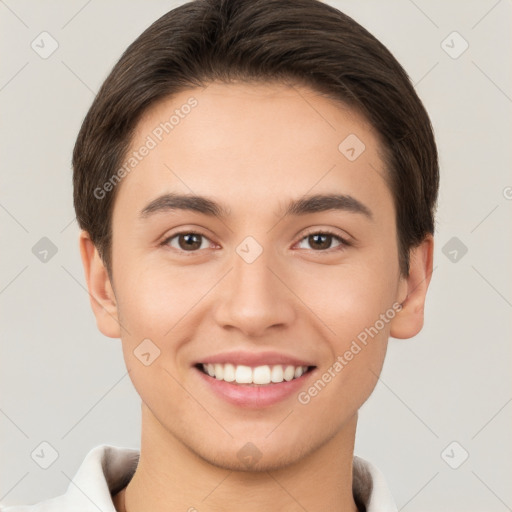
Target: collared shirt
(107,469)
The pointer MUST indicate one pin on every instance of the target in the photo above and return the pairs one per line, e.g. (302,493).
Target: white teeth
(229,373)
(289,373)
(277,374)
(219,371)
(243,374)
(261,375)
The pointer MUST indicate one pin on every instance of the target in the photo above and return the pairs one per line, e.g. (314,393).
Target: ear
(413,290)
(101,293)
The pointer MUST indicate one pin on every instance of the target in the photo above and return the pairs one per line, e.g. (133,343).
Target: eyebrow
(302,206)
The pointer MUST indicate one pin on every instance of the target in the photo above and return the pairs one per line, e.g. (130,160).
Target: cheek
(357,351)
(155,299)
(355,302)
(348,297)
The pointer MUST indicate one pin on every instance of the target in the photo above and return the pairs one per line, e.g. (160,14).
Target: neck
(169,476)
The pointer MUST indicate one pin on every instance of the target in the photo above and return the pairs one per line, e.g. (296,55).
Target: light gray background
(64,383)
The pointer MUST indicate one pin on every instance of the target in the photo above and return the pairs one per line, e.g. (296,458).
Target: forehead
(251,144)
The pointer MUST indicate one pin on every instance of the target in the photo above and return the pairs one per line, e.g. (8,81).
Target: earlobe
(413,290)
(101,292)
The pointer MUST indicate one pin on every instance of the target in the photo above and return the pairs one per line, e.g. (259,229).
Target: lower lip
(254,396)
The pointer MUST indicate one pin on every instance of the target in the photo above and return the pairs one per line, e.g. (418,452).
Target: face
(241,285)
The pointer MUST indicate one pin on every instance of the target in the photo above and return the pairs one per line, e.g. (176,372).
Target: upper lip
(254,359)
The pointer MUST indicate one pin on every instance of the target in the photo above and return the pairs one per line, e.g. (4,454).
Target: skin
(252,147)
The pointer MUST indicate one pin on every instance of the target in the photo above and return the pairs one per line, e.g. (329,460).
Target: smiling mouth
(258,375)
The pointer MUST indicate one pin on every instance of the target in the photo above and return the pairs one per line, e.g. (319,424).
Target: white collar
(106,469)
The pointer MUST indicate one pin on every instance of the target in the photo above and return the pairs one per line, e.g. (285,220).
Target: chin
(250,459)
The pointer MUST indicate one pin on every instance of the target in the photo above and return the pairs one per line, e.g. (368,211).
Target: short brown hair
(303,41)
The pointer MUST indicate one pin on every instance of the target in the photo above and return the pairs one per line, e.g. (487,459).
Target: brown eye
(323,241)
(320,241)
(187,241)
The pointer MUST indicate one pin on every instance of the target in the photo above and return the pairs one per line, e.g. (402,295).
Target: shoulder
(370,488)
(105,470)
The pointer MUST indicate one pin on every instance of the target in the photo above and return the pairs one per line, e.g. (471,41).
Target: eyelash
(343,242)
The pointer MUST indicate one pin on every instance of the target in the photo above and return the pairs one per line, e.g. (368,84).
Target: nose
(254,297)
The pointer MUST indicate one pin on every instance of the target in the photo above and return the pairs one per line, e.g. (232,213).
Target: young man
(256,185)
